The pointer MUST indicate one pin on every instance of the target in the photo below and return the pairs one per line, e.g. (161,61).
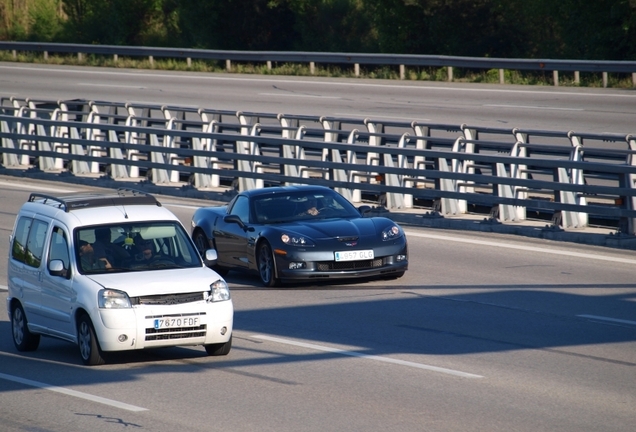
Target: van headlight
(113,299)
(219,291)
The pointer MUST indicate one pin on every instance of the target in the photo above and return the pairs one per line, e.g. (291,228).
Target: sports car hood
(154,282)
(330,228)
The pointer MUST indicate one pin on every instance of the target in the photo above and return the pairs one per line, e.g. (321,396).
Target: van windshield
(134,247)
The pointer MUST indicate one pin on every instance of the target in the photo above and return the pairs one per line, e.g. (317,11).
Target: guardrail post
(555,78)
(502,78)
(15,54)
(356,69)
(57,132)
(117,171)
(353,175)
(373,158)
(8,159)
(577,77)
(628,225)
(269,65)
(159,175)
(507,212)
(450,73)
(228,65)
(402,72)
(46,55)
(115,58)
(448,205)
(573,219)
(78,166)
(312,68)
(605,79)
(132,138)
(519,171)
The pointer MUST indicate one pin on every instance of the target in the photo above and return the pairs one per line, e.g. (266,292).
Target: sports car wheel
(87,342)
(23,339)
(219,349)
(202,243)
(266,268)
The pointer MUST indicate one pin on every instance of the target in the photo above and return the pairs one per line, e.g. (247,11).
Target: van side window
(35,243)
(18,248)
(58,249)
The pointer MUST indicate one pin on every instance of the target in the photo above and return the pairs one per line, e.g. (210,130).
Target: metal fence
(351,59)
(450,168)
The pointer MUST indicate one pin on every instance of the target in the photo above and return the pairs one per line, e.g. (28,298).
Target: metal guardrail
(453,167)
(353,59)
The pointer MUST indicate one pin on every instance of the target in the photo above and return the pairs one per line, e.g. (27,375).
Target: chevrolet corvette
(300,234)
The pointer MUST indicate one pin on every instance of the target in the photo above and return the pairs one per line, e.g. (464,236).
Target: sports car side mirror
(234,219)
(364,209)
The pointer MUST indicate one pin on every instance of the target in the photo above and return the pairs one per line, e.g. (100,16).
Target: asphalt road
(592,110)
(484,333)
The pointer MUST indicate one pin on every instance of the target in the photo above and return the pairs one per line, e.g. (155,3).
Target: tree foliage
(581,29)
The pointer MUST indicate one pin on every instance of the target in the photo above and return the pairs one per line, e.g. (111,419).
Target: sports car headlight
(219,291)
(113,299)
(295,240)
(391,233)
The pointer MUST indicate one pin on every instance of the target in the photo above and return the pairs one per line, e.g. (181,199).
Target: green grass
(540,78)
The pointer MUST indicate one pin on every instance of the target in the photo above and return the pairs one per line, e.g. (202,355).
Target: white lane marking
(368,357)
(8,184)
(602,318)
(331,83)
(110,85)
(299,95)
(525,248)
(534,107)
(185,206)
(73,393)
(383,117)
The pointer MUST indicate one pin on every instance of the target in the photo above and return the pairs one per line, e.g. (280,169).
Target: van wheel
(219,349)
(88,343)
(23,339)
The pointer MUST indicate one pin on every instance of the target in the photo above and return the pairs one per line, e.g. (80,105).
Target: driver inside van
(89,260)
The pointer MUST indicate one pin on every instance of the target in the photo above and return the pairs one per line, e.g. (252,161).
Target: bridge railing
(569,175)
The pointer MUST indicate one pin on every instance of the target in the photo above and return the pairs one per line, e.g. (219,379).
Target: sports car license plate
(356,255)
(167,322)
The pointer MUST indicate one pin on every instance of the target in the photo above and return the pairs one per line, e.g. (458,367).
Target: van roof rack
(123,196)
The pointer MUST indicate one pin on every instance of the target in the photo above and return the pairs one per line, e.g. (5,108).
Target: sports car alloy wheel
(266,268)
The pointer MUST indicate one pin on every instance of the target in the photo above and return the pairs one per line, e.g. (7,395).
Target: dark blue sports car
(300,233)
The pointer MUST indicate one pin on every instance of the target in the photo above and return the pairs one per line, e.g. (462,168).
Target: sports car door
(231,238)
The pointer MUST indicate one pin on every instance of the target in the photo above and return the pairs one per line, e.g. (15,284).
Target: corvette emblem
(351,243)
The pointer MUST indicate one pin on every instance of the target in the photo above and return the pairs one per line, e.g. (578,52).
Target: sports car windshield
(301,206)
(139,246)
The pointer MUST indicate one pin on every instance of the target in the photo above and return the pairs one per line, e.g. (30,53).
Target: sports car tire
(202,243)
(266,267)
(88,343)
(23,339)
(219,349)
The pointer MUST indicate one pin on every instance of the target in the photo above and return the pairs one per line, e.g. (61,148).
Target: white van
(112,272)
